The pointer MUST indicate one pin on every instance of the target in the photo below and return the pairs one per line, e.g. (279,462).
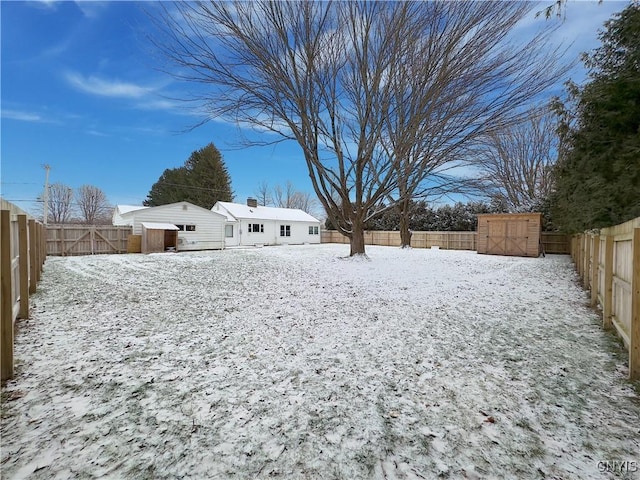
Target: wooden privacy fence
(608,263)
(22,255)
(86,239)
(552,242)
(556,243)
(448,240)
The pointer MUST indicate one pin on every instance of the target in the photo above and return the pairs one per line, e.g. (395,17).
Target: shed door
(507,237)
(516,241)
(496,238)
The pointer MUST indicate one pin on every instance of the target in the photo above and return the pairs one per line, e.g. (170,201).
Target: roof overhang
(159,226)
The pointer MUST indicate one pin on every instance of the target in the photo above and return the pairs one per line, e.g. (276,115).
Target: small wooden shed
(515,234)
(159,237)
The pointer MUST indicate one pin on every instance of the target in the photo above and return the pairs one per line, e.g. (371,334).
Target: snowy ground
(294,363)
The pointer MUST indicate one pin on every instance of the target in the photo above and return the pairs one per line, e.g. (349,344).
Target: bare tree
(304,201)
(286,197)
(517,161)
(263,194)
(92,204)
(283,196)
(327,76)
(453,88)
(60,203)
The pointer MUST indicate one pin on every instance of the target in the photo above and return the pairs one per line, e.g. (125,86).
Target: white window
(256,228)
(313,230)
(285,230)
(228,231)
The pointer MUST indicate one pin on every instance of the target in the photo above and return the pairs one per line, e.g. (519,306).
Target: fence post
(33,256)
(6,298)
(634,334)
(24,266)
(587,258)
(595,270)
(608,282)
(38,248)
(43,246)
(583,253)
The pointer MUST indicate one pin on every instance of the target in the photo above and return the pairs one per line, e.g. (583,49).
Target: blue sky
(81,92)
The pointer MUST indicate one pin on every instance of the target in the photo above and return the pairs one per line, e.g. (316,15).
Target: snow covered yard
(291,362)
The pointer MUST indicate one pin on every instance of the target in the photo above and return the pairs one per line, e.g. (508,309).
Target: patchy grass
(293,362)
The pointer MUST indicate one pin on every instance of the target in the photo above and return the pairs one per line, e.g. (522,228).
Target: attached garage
(515,234)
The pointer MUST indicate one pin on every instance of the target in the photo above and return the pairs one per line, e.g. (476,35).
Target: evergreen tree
(461,217)
(598,172)
(203,180)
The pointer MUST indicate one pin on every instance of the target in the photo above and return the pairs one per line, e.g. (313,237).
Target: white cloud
(96,133)
(22,116)
(107,88)
(91,9)
(160,104)
(44,4)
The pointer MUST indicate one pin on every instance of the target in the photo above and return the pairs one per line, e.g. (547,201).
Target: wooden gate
(516,234)
(86,239)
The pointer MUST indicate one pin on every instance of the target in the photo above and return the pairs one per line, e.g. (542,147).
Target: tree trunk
(357,238)
(405,233)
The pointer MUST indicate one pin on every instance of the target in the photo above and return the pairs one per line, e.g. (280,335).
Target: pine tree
(202,180)
(598,172)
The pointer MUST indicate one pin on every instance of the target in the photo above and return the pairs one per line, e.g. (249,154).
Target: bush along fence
(608,263)
(66,240)
(552,242)
(22,256)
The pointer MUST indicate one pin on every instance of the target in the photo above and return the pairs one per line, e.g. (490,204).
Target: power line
(219,190)
(19,183)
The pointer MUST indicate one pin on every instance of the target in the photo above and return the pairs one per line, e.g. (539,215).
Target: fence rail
(552,242)
(66,240)
(22,255)
(608,263)
(556,243)
(448,240)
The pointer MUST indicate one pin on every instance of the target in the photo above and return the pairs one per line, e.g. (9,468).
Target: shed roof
(239,210)
(159,226)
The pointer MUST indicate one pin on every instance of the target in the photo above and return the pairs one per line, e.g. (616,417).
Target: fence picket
(619,293)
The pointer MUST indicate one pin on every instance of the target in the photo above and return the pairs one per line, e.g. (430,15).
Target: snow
(240,211)
(295,362)
(123,209)
(159,226)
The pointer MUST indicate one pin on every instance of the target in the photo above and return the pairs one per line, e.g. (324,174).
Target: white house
(251,224)
(198,228)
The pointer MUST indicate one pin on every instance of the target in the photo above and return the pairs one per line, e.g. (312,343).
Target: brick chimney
(252,202)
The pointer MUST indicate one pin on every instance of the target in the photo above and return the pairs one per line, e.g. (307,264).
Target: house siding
(209,233)
(271,235)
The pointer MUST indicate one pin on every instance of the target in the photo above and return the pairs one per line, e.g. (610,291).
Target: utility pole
(45,216)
